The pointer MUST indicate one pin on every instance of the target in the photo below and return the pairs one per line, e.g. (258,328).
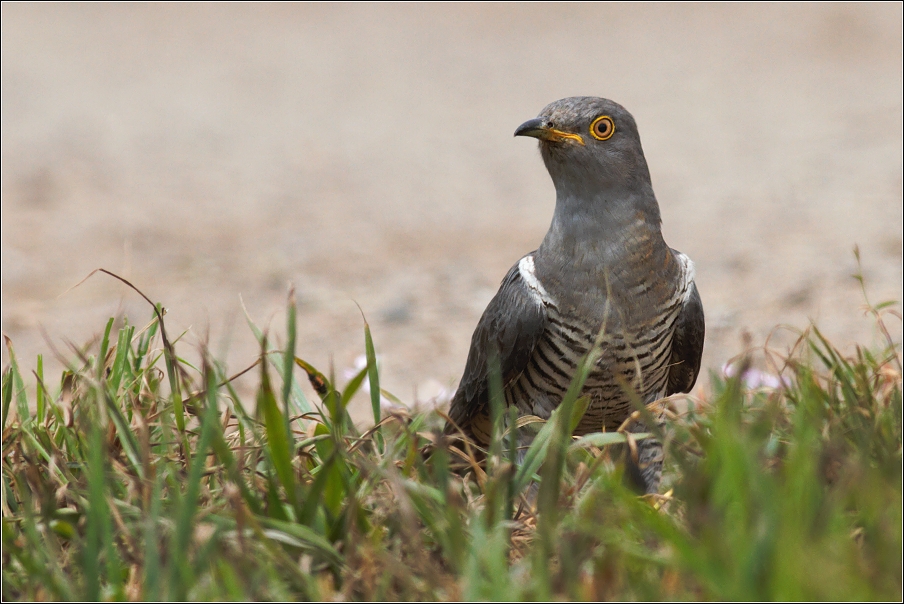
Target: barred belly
(631,360)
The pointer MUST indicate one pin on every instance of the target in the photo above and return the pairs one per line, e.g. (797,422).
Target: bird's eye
(602,128)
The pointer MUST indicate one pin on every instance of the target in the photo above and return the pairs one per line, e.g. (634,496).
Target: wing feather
(687,344)
(511,326)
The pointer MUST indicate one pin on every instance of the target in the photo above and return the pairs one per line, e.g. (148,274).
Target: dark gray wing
(687,345)
(511,326)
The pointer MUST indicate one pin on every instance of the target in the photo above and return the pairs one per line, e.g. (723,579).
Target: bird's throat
(605,230)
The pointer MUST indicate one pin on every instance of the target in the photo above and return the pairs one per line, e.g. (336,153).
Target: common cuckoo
(602,268)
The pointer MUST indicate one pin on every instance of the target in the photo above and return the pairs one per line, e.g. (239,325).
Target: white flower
(754,378)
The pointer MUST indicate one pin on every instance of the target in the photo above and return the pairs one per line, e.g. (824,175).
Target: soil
(213,154)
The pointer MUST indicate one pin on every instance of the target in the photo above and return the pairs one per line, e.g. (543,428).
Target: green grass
(137,476)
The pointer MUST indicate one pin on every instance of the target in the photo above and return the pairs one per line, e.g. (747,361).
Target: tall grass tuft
(137,476)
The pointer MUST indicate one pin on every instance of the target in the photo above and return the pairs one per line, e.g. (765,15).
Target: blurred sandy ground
(365,153)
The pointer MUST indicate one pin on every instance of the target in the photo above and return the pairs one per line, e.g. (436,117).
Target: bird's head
(589,145)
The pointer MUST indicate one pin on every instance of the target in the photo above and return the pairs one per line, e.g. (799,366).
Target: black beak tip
(531,127)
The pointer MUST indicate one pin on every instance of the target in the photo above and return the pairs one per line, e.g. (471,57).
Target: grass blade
(278,440)
(288,357)
(16,384)
(373,376)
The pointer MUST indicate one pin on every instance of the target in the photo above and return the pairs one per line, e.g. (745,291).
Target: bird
(603,272)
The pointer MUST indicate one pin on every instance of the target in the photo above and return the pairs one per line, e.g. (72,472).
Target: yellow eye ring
(602,128)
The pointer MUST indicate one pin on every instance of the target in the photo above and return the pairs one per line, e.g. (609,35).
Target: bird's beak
(539,128)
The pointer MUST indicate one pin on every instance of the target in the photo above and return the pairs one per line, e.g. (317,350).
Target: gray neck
(601,229)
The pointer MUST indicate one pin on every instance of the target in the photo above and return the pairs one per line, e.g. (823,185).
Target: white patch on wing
(528,275)
(687,272)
